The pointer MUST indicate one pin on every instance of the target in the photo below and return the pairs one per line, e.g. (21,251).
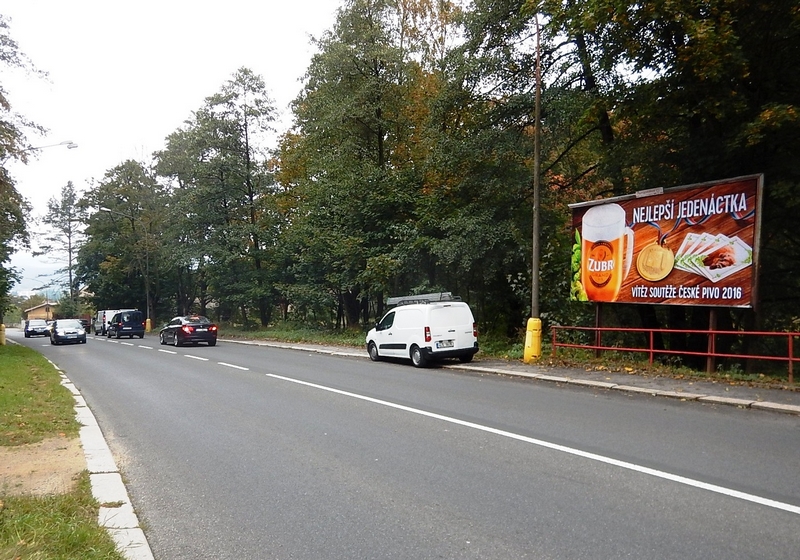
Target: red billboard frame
(690,245)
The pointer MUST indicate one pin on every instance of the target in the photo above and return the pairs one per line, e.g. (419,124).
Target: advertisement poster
(691,245)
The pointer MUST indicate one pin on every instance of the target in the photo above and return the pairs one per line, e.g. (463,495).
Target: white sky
(125,74)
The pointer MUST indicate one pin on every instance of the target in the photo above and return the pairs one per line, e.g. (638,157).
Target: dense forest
(409,165)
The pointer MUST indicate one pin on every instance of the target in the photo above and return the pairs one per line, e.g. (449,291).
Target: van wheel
(373,352)
(466,358)
(417,357)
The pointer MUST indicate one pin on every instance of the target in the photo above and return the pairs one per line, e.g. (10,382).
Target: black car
(36,327)
(126,323)
(67,330)
(189,329)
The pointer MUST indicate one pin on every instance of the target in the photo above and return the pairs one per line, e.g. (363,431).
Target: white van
(423,329)
(102,318)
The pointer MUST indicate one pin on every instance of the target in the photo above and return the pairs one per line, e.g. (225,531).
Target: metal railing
(711,353)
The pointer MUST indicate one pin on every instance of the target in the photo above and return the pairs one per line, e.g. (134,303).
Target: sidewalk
(715,392)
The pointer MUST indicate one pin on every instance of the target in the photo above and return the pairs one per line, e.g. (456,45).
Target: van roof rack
(422,298)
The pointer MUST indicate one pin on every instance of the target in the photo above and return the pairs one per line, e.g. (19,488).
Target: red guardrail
(710,354)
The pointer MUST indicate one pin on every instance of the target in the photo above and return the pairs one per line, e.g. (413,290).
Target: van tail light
(475,330)
(188,329)
(427,334)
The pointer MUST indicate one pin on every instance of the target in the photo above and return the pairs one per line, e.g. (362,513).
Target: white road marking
(196,357)
(572,451)
(167,351)
(233,366)
(127,343)
(145,347)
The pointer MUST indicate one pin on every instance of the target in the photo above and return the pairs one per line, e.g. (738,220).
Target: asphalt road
(249,452)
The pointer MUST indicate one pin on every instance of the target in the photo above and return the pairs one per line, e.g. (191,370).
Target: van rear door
(451,327)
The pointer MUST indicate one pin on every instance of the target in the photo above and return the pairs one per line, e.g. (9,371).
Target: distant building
(44,311)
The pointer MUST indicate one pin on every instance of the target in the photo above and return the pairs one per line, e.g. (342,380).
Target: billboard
(689,245)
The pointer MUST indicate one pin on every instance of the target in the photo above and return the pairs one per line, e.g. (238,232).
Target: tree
(65,219)
(223,195)
(120,262)
(701,91)
(14,209)
(357,137)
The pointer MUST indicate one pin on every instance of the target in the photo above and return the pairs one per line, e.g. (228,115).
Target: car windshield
(69,324)
(37,323)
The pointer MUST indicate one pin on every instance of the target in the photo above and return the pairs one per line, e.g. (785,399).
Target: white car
(425,332)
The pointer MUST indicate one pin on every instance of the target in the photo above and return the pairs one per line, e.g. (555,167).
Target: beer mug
(604,265)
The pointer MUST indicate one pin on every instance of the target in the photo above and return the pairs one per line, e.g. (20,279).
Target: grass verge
(34,406)
(33,403)
(62,526)
(288,332)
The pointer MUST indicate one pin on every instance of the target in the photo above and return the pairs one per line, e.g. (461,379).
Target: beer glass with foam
(606,251)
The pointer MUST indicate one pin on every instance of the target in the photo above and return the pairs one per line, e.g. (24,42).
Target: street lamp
(68,143)
(146,271)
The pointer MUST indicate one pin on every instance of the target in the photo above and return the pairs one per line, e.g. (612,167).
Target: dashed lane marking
(233,366)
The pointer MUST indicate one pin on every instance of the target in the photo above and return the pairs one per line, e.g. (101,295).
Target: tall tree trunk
(352,307)
(602,116)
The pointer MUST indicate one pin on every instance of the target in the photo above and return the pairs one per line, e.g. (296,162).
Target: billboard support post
(598,323)
(712,326)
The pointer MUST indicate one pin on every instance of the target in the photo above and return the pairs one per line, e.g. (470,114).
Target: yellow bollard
(533,340)
(2,334)
(147,325)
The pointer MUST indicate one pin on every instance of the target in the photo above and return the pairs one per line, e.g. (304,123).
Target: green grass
(58,527)
(34,406)
(289,332)
(33,403)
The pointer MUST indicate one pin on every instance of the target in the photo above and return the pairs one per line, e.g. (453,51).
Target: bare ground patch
(38,469)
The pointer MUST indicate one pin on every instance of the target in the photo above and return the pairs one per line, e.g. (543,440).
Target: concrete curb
(700,397)
(116,513)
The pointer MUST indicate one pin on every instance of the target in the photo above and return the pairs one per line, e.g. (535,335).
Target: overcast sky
(124,75)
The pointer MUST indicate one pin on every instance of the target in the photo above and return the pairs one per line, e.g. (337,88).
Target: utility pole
(533,334)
